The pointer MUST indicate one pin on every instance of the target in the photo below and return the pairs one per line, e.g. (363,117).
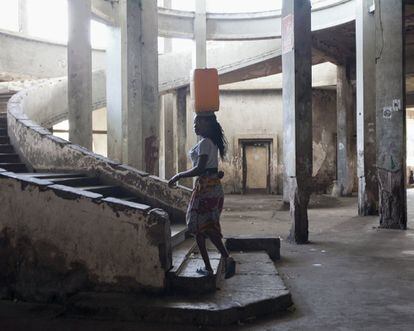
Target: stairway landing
(255,290)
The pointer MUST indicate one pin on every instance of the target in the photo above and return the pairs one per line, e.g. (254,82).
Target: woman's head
(208,127)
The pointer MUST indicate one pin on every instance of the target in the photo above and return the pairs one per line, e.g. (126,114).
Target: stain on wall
(324,140)
(55,242)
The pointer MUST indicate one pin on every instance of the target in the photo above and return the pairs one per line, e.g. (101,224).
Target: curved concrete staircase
(185,258)
(186,297)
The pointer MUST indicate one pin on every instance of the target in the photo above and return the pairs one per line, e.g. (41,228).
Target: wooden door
(256,167)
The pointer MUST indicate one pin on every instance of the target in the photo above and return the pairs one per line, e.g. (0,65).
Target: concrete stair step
(4,140)
(76,181)
(6,148)
(183,277)
(131,199)
(178,234)
(180,253)
(14,167)
(9,158)
(92,184)
(52,175)
(105,190)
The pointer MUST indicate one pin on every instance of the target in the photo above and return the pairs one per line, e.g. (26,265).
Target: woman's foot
(204,271)
(230,267)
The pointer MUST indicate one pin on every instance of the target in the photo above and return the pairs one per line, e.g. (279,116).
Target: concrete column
(169,150)
(200,35)
(139,70)
(391,121)
(181,128)
(345,131)
(114,93)
(366,109)
(297,111)
(23,17)
(169,154)
(80,73)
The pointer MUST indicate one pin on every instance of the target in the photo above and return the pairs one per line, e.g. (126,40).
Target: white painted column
(23,17)
(114,93)
(200,35)
(139,70)
(169,153)
(181,128)
(80,73)
(366,109)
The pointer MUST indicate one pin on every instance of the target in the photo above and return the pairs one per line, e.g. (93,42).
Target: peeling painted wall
(56,241)
(257,114)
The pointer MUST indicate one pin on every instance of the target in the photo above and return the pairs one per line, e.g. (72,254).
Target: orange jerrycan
(205,90)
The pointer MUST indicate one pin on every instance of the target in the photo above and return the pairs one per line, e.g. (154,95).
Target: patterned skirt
(206,204)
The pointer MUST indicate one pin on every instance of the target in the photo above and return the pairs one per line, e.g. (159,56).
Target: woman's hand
(173,180)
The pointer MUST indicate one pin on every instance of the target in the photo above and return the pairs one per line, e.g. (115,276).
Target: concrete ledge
(25,179)
(256,290)
(135,205)
(253,243)
(68,192)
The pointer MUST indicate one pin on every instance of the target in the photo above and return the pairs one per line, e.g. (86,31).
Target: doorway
(256,166)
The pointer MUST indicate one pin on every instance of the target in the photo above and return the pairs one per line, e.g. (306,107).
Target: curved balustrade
(174,23)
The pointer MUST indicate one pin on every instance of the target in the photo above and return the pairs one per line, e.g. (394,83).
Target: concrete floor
(352,276)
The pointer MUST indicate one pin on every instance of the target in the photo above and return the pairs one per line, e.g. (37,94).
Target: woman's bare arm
(193,172)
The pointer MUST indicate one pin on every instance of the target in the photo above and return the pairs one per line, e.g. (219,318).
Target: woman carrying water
(206,204)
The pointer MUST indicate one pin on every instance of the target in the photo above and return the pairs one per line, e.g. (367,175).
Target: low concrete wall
(56,241)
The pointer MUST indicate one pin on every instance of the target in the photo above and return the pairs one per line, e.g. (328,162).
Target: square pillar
(181,128)
(139,70)
(297,112)
(114,93)
(80,73)
(345,107)
(200,35)
(366,109)
(168,127)
(23,17)
(391,113)
(168,168)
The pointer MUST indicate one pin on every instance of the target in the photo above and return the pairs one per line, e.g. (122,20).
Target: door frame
(251,142)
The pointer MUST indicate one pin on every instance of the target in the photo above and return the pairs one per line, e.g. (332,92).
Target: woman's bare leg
(201,243)
(216,240)
(230,264)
